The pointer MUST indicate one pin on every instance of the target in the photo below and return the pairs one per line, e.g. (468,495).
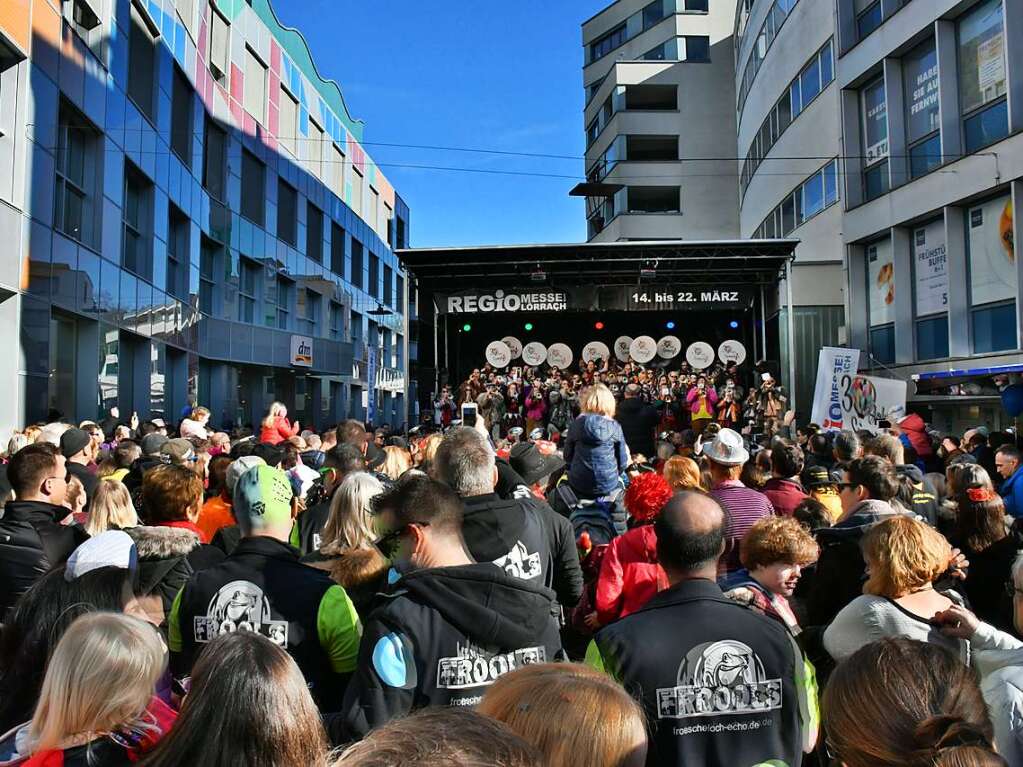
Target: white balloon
(595,350)
(559,356)
(732,351)
(534,353)
(498,354)
(668,347)
(622,346)
(643,349)
(700,355)
(514,346)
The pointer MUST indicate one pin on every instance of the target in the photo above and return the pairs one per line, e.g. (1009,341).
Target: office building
(885,137)
(188,215)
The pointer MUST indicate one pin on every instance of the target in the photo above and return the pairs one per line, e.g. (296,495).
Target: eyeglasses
(388,543)
(846,485)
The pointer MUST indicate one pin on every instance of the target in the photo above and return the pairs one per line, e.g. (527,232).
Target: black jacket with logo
(439,638)
(527,540)
(32,541)
(262,586)
(721,684)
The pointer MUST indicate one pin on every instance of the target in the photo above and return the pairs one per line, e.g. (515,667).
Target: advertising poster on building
(881,282)
(991,68)
(992,258)
(931,265)
(920,69)
(875,123)
(371,385)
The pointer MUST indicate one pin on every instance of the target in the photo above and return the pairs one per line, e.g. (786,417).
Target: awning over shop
(939,379)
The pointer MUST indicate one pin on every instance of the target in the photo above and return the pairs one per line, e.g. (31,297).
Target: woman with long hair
(39,619)
(247,706)
(92,708)
(347,551)
(901,703)
(111,509)
(904,557)
(575,716)
(396,462)
(981,536)
(275,426)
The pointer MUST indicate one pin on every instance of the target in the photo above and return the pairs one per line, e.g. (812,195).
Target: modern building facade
(659,103)
(885,137)
(187,214)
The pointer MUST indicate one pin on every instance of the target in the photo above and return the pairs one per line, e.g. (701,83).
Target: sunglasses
(388,543)
(846,485)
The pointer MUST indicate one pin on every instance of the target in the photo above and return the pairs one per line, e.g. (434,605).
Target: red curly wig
(647,495)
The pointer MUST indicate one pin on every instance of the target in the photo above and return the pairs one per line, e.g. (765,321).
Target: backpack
(593,518)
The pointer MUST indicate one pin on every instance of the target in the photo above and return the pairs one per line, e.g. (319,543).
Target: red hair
(647,494)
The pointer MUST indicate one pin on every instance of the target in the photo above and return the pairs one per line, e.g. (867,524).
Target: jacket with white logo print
(720,683)
(440,637)
(527,540)
(262,586)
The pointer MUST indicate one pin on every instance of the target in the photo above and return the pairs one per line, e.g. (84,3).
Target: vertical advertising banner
(931,269)
(881,282)
(832,364)
(992,257)
(371,385)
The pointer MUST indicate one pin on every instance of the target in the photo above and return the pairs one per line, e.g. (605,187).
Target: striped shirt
(744,507)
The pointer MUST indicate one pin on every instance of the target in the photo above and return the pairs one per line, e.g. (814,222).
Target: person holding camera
(702,400)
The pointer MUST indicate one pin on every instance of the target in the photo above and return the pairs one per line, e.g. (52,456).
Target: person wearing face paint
(773,554)
(448,627)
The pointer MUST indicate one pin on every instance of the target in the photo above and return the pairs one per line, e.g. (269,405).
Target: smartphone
(469,414)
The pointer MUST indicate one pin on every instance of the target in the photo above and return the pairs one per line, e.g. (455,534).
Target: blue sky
(463,73)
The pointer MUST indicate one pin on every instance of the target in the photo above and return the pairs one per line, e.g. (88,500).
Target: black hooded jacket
(527,540)
(32,541)
(440,637)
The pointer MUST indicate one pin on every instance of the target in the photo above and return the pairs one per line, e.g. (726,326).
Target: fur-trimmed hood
(353,568)
(158,542)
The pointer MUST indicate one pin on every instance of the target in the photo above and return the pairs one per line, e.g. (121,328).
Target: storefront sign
(302,351)
(594,299)
(833,364)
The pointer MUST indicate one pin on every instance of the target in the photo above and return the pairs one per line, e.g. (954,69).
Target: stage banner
(832,364)
(593,298)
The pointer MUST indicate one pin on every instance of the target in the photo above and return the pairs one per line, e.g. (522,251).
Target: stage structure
(575,295)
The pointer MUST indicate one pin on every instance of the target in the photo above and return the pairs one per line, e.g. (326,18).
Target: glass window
(880,283)
(314,150)
(604,45)
(981,56)
(830,183)
(992,258)
(314,233)
(696,5)
(795,99)
(653,13)
(219,44)
(337,171)
(920,80)
(875,181)
(357,252)
(697,48)
(75,179)
(882,344)
(207,276)
(810,82)
(993,328)
(827,65)
(253,188)
(337,250)
(287,213)
(141,65)
(869,20)
(337,322)
(932,338)
(177,254)
(986,126)
(136,253)
(788,216)
(373,288)
(181,118)
(925,156)
(356,201)
(813,195)
(388,286)
(255,87)
(214,167)
(287,132)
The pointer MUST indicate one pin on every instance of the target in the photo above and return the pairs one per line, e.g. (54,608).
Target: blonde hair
(597,399)
(396,463)
(111,508)
(75,492)
(683,473)
(429,447)
(16,442)
(903,554)
(350,523)
(575,716)
(199,412)
(100,679)
(276,409)
(777,539)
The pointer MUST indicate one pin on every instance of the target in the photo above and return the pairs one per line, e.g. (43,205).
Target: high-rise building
(188,215)
(886,138)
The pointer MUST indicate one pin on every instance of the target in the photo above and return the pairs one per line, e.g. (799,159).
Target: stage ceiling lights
(598,325)
(528,326)
(670,324)
(466,327)
(733,324)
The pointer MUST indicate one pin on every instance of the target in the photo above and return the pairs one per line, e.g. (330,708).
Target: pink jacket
(536,408)
(693,400)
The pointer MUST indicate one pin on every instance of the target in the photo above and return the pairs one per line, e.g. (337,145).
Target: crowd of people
(624,579)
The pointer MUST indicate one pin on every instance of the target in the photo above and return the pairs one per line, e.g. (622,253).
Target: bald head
(690,535)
